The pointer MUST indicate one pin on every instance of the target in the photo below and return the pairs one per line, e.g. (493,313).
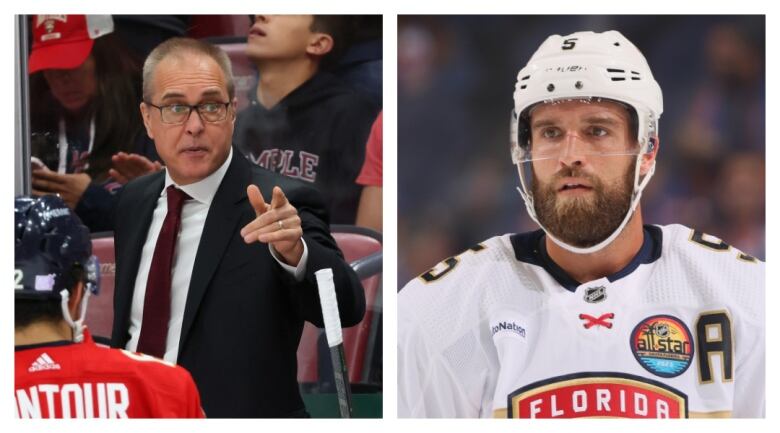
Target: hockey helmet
(50,240)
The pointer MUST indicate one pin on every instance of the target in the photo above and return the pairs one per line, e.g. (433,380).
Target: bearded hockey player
(596,314)
(60,371)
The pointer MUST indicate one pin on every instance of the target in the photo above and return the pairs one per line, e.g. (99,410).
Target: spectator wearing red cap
(84,96)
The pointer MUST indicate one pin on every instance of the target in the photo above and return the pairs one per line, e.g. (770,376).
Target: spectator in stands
(369,213)
(361,64)
(84,94)
(142,33)
(740,205)
(303,122)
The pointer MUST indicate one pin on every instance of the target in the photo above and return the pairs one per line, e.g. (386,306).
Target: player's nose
(573,149)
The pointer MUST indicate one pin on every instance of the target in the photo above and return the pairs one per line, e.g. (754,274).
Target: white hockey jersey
(501,331)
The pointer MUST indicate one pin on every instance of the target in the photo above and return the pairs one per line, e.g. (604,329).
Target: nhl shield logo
(595,294)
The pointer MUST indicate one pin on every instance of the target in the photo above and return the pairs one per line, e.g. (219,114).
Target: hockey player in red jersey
(60,371)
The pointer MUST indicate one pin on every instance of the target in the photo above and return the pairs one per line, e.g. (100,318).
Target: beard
(583,221)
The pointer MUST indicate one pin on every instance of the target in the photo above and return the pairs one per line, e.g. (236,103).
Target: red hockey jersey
(85,380)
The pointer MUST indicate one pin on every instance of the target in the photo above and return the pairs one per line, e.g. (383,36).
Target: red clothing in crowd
(371,173)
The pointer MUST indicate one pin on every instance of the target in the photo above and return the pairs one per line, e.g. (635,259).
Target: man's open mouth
(573,186)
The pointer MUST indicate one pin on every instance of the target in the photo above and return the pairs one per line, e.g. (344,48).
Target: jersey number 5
(718,245)
(444,267)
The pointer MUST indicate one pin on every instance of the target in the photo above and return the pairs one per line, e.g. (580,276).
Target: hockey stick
(330,315)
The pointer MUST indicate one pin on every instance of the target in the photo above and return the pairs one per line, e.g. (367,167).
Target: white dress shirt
(193,218)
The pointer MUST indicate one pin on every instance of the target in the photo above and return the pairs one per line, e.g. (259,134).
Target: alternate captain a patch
(597,394)
(663,345)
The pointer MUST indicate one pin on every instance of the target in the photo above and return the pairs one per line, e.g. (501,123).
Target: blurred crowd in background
(456,77)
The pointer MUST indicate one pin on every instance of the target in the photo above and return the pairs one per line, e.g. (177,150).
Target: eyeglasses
(176,114)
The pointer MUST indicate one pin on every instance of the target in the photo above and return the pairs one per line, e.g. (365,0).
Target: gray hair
(179,47)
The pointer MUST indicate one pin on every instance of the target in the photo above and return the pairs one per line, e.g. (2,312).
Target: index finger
(256,199)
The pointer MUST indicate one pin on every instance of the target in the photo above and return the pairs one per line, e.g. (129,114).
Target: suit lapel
(220,227)
(136,233)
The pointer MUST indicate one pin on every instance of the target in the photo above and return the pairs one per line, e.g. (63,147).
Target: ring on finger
(281,224)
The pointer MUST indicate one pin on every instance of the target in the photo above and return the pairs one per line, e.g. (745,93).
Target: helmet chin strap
(78,325)
(636,195)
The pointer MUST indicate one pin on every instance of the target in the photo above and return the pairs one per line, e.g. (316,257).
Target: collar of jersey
(46,344)
(530,248)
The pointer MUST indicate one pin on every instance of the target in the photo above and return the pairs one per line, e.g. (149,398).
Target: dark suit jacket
(244,314)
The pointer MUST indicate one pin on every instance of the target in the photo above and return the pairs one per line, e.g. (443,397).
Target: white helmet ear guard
(586,66)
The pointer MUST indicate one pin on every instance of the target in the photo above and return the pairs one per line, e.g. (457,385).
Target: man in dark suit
(209,275)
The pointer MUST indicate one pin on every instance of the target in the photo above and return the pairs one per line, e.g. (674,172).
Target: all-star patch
(663,345)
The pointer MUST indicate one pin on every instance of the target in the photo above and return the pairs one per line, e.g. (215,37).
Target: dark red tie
(157,301)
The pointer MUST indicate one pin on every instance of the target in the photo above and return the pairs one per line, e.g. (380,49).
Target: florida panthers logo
(597,394)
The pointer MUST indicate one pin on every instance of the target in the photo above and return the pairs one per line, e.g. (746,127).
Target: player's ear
(648,159)
(145,115)
(232,109)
